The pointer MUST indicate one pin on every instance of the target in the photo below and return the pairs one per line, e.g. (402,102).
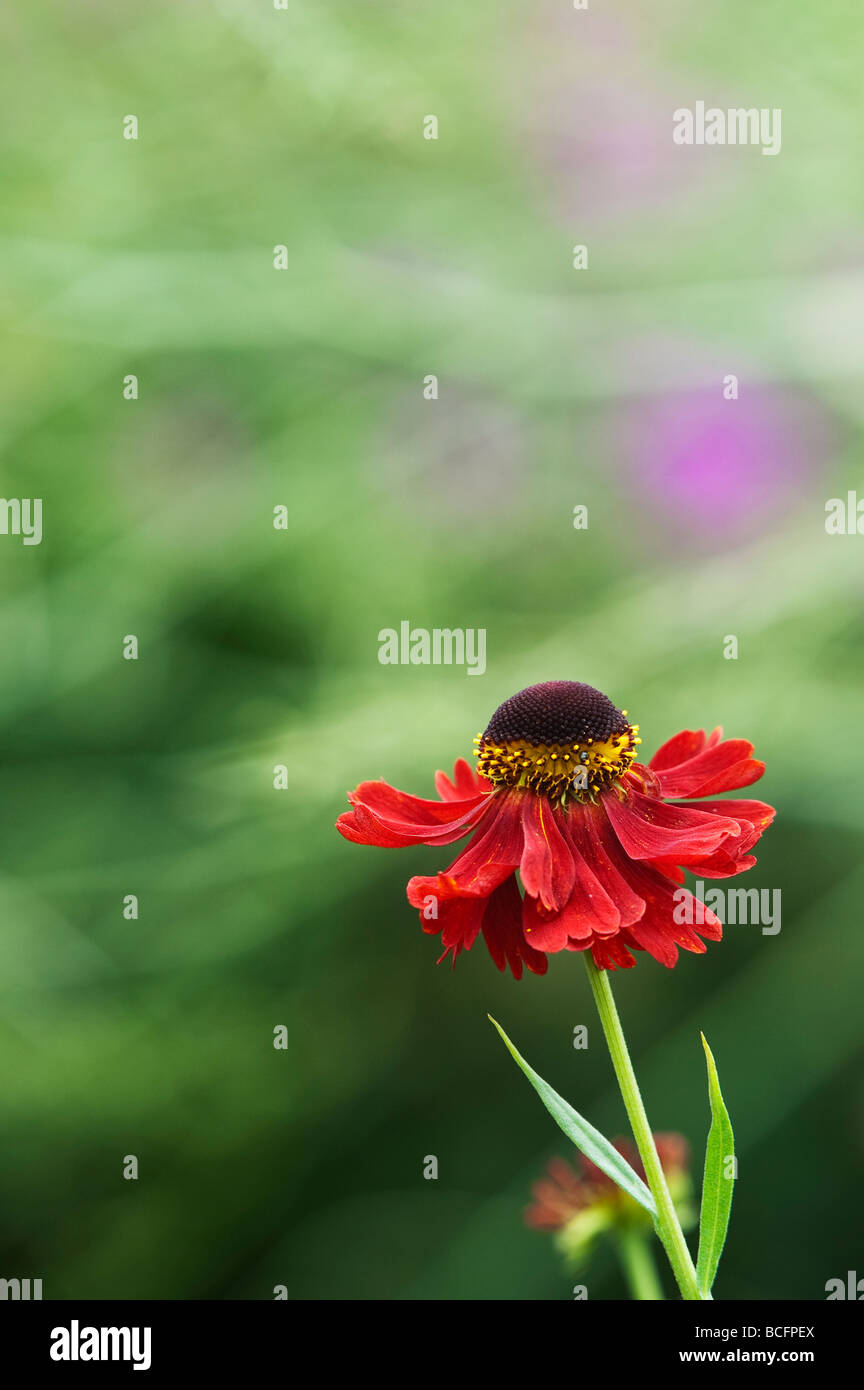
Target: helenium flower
(599,841)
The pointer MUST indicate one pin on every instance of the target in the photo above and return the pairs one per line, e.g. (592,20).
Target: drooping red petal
(499,916)
(758,813)
(489,857)
(649,829)
(590,903)
(720,767)
(459,923)
(731,778)
(672,916)
(658,932)
(546,867)
(479,891)
(720,865)
(590,910)
(502,932)
(383,816)
(612,954)
(396,807)
(464,784)
(669,868)
(545,933)
(732,857)
(600,898)
(600,846)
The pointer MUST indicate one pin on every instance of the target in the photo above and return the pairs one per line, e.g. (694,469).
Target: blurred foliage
(258,388)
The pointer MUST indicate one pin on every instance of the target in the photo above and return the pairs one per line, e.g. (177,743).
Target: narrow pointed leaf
(716,1185)
(587,1139)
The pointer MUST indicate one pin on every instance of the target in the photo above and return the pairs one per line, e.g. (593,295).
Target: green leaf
(587,1139)
(716,1185)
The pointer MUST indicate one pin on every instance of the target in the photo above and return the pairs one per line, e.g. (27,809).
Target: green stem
(667,1224)
(638,1263)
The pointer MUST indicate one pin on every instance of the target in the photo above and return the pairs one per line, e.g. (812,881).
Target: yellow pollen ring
(559,770)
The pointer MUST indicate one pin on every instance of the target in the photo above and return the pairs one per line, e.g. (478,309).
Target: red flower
(599,841)
(567,1190)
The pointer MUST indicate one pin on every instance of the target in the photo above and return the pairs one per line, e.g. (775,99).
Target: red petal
(465,783)
(721,865)
(649,829)
(590,910)
(545,933)
(502,931)
(758,813)
(592,907)
(603,850)
(485,862)
(546,867)
(733,857)
(460,923)
(678,749)
(612,954)
(740,774)
(667,867)
(395,807)
(657,930)
(389,818)
(719,767)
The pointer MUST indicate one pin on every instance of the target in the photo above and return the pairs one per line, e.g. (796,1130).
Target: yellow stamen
(578,771)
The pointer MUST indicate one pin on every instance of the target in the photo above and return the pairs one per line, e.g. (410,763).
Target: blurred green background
(258,646)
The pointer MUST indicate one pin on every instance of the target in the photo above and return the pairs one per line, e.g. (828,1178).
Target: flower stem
(666,1222)
(638,1265)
